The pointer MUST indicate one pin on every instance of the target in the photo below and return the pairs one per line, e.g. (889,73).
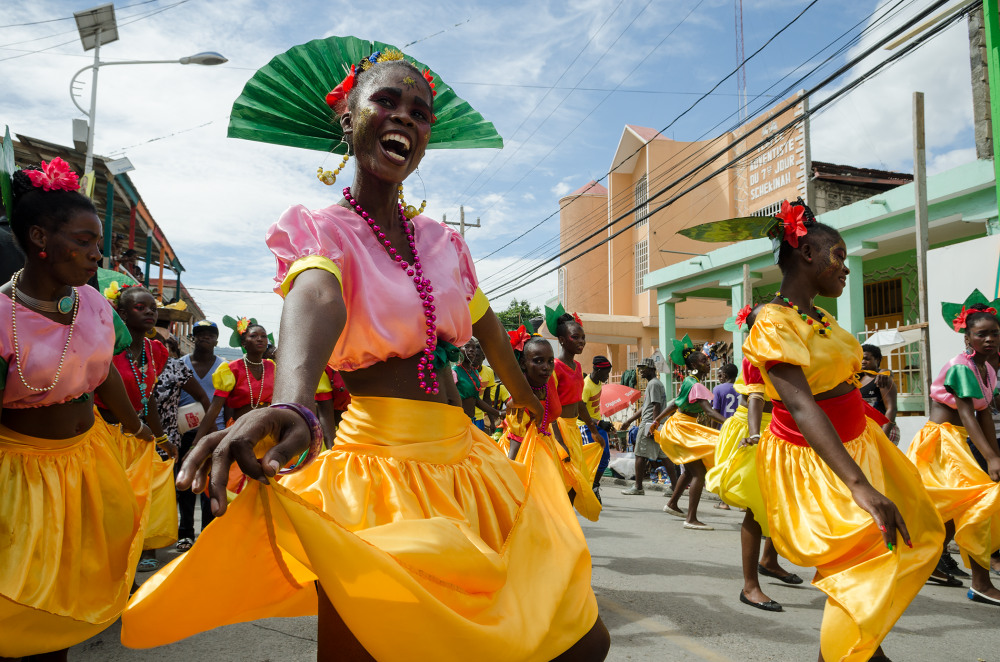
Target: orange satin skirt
(815,522)
(414,519)
(961,490)
(684,440)
(72,532)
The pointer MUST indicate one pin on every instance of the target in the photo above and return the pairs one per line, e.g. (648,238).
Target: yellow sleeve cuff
(325,386)
(478,306)
(309,262)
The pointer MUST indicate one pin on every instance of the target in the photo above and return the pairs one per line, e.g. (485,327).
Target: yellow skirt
(71,528)
(152,480)
(734,476)
(684,440)
(815,523)
(423,525)
(578,474)
(960,489)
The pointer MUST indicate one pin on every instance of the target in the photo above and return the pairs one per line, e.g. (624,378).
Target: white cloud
(951,159)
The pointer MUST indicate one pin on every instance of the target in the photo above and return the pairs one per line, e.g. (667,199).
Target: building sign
(776,167)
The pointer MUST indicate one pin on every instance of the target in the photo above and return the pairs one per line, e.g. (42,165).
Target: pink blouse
(964,362)
(41,343)
(385,316)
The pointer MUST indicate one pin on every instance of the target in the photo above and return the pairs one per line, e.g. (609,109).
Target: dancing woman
(568,330)
(734,478)
(682,438)
(64,496)
(966,491)
(140,366)
(537,361)
(244,384)
(415,517)
(836,490)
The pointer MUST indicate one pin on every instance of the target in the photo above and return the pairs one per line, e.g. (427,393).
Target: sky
(559,79)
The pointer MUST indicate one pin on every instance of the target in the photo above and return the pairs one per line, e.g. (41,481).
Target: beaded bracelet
(315,444)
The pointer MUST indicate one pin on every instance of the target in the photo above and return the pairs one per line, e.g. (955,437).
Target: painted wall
(586,278)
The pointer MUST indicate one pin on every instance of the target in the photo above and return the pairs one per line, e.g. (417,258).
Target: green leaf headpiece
(284,103)
(955,314)
(682,349)
(792,222)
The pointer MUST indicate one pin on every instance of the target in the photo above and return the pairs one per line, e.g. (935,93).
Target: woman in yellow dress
(414,518)
(70,523)
(682,438)
(734,479)
(965,488)
(838,494)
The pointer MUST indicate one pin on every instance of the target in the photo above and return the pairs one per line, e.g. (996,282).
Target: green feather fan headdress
(955,314)
(682,349)
(284,103)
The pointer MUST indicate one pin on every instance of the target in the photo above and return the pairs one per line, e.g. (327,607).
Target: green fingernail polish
(889,545)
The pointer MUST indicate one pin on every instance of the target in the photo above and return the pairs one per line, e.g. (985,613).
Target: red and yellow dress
(414,518)
(734,476)
(681,437)
(151,476)
(813,519)
(70,523)
(332,387)
(961,490)
(237,384)
(569,384)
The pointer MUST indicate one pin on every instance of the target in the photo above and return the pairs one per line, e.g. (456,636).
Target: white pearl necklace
(17,352)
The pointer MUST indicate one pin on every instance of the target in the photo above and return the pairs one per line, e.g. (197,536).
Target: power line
(689,158)
(66,18)
(813,111)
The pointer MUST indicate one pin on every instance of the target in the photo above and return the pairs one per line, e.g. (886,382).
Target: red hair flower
(741,317)
(54,176)
(518,338)
(578,320)
(791,217)
(429,77)
(959,323)
(339,93)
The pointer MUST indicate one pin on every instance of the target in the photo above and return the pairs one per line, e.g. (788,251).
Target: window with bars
(633,358)
(562,285)
(884,297)
(641,201)
(641,264)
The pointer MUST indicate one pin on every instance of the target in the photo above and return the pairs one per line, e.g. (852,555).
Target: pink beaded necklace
(426,374)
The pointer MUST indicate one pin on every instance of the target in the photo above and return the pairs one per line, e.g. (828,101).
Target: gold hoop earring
(330,178)
(409,211)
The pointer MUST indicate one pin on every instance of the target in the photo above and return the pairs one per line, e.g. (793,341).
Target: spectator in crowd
(878,389)
(11,257)
(725,399)
(203,363)
(647,449)
(592,386)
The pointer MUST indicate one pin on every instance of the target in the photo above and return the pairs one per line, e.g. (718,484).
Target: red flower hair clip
(518,338)
(792,222)
(959,323)
(339,93)
(429,77)
(578,320)
(54,176)
(741,317)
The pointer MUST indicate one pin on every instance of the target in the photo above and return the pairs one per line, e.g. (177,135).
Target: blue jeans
(605,456)
(480,423)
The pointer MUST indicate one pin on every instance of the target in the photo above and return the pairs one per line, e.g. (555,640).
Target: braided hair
(35,206)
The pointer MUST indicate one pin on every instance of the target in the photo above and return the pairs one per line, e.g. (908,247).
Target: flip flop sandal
(976,596)
(770,605)
(148,565)
(790,578)
(184,544)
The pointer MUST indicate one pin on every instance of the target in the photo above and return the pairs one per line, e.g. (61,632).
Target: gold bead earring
(330,178)
(409,211)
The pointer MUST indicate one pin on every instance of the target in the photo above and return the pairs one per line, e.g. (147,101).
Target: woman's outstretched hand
(885,513)
(533,405)
(208,463)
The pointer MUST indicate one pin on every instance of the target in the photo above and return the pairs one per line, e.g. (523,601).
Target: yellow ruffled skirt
(815,522)
(960,489)
(684,440)
(71,531)
(578,474)
(413,521)
(152,480)
(734,476)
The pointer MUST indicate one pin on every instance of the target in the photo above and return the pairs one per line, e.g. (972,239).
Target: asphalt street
(665,593)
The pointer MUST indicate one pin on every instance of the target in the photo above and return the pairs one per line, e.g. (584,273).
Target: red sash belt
(847,412)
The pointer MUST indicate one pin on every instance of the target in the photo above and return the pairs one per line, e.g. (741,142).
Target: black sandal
(790,578)
(770,605)
(947,580)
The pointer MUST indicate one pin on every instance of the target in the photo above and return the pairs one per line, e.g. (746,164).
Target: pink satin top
(385,316)
(41,343)
(940,394)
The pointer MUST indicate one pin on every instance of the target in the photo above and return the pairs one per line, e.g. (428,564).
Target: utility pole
(920,212)
(461,221)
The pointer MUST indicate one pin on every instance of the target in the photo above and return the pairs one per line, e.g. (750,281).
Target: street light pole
(92,115)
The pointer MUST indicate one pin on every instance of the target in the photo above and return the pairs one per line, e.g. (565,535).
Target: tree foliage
(517,313)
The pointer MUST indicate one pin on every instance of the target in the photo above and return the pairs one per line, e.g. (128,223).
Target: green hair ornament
(239,327)
(552,316)
(955,314)
(682,349)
